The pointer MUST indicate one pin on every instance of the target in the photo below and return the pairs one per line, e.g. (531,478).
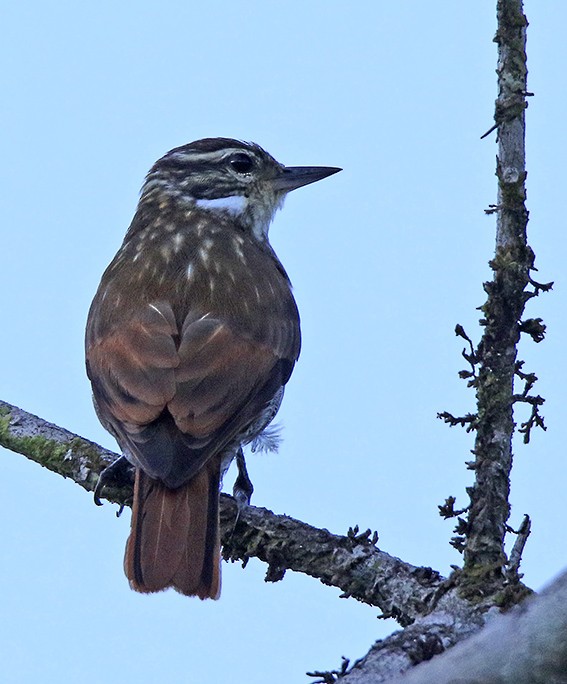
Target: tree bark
(494,363)
(526,646)
(489,507)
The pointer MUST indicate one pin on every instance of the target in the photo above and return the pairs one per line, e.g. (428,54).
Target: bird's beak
(293,177)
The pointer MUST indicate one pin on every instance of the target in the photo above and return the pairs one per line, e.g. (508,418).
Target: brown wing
(176,385)
(132,367)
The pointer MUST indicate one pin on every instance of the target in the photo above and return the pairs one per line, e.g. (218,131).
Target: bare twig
(330,676)
(513,570)
(467,421)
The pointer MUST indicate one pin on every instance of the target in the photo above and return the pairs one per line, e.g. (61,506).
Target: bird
(190,339)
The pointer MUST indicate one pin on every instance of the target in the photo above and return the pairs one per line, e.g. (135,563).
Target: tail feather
(174,540)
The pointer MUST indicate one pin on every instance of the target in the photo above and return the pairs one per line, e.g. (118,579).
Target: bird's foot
(243,487)
(117,474)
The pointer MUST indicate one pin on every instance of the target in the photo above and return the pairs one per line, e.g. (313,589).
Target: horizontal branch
(352,562)
(53,447)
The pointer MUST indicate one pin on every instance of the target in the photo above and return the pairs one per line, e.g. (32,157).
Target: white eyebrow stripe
(217,155)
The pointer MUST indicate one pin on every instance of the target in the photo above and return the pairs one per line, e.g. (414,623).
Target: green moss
(477,582)
(76,458)
(46,452)
(60,457)
(512,595)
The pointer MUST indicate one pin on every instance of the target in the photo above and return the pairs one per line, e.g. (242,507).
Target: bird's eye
(241,163)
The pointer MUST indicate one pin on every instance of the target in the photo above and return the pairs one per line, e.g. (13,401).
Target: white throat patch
(234,204)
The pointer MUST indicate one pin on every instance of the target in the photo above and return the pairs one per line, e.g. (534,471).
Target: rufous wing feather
(174,540)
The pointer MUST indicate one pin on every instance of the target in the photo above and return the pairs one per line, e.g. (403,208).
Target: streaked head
(230,177)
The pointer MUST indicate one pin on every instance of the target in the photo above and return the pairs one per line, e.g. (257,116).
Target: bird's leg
(243,488)
(117,474)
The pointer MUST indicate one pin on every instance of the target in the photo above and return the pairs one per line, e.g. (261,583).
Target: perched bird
(190,339)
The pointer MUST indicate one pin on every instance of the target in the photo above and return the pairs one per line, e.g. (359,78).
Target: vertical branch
(489,508)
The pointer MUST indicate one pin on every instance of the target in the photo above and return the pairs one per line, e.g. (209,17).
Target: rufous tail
(174,540)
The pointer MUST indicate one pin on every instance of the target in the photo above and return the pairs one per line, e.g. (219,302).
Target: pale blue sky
(385,258)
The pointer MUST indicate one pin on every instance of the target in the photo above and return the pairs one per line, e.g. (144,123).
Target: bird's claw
(117,474)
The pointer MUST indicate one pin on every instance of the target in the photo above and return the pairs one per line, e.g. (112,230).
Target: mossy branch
(351,562)
(493,364)
(484,556)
